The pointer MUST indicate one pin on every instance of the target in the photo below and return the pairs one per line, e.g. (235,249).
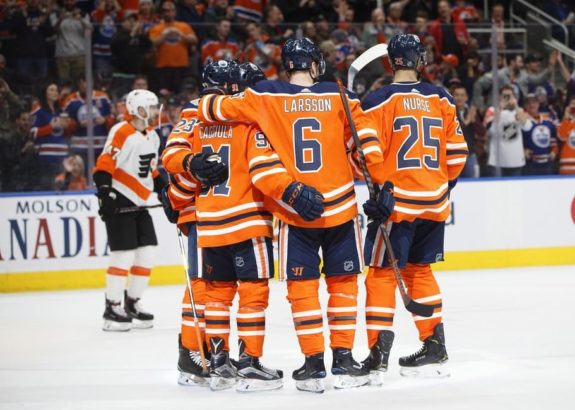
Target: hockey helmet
(405,51)
(215,76)
(299,53)
(145,100)
(244,75)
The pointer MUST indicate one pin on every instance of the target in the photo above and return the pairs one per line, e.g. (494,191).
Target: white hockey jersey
(505,140)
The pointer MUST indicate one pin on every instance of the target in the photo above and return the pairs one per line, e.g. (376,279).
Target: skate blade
(221,383)
(376,377)
(188,379)
(251,385)
(429,371)
(310,385)
(111,326)
(142,324)
(345,381)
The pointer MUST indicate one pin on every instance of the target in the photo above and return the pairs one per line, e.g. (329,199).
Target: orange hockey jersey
(182,188)
(234,211)
(566,134)
(131,157)
(307,128)
(423,145)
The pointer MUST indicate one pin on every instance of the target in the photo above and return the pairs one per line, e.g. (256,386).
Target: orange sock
(251,318)
(380,302)
(219,297)
(307,315)
(189,338)
(423,288)
(342,310)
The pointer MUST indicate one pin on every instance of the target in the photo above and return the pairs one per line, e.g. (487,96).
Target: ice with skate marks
(376,378)
(245,385)
(429,371)
(113,326)
(142,324)
(345,381)
(188,379)
(310,385)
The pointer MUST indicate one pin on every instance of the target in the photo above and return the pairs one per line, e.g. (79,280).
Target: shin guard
(307,315)
(342,310)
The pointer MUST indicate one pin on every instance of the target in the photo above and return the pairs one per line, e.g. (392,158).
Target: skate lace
(118,309)
(419,352)
(196,357)
(138,307)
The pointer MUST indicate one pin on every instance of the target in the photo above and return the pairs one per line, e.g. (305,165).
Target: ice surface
(510,337)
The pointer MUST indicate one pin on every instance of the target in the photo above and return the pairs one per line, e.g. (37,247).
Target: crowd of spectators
(162,45)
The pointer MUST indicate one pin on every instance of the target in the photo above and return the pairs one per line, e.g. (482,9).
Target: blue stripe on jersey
(457,152)
(281,87)
(340,199)
(191,105)
(423,202)
(234,218)
(264,165)
(377,97)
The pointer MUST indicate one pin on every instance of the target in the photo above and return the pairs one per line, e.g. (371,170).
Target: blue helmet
(215,76)
(244,75)
(405,51)
(299,53)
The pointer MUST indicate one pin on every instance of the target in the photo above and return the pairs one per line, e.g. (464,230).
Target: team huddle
(250,150)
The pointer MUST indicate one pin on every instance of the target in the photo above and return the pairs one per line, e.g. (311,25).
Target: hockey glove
(170,212)
(380,209)
(304,199)
(206,168)
(106,202)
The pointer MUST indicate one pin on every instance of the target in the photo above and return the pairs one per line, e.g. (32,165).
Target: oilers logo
(83,113)
(571,139)
(107,27)
(541,136)
(173,38)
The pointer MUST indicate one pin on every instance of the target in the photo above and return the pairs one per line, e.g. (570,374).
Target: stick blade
(372,53)
(419,309)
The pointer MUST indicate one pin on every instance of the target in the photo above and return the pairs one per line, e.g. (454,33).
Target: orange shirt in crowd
(173,52)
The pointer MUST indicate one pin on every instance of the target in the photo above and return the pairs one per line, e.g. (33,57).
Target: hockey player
(305,123)
(424,151)
(125,176)
(179,200)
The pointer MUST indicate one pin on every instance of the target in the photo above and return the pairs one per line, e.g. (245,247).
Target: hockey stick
(372,53)
(412,306)
(192,302)
(129,209)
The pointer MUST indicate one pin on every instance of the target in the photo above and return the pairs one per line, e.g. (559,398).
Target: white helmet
(145,99)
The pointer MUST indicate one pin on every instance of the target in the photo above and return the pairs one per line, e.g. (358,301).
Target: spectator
(470,72)
(376,31)
(420,28)
(171,40)
(465,12)
(505,139)
(322,30)
(498,21)
(72,179)
(395,24)
(447,70)
(249,10)
(218,11)
(329,53)
(297,11)
(274,18)
(50,126)
(192,13)
(77,109)
(539,140)
(308,30)
(545,109)
(9,104)
(262,53)
(535,74)
(18,160)
(31,26)
(129,6)
(147,16)
(413,7)
(450,34)
(223,46)
(559,10)
(70,24)
(566,134)
(131,54)
(106,18)
(467,116)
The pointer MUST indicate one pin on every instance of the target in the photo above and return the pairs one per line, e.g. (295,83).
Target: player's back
(233,211)
(423,146)
(306,127)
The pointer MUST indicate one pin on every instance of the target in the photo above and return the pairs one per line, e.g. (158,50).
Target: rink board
(58,242)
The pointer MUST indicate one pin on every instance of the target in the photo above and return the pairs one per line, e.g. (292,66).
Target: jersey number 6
(307,152)
(430,161)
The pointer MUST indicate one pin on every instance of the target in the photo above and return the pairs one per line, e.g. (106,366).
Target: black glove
(106,202)
(170,212)
(206,168)
(306,200)
(380,209)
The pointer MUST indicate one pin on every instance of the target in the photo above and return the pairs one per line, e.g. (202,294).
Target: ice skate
(134,309)
(348,373)
(378,357)
(222,372)
(252,376)
(310,376)
(115,318)
(190,367)
(429,361)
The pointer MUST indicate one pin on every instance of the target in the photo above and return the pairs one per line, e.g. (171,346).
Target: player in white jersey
(126,174)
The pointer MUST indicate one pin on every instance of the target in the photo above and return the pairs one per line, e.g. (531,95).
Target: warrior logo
(145,164)
(297,270)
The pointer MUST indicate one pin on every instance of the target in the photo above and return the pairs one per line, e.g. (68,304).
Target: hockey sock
(140,271)
(251,319)
(219,296)
(423,288)
(380,287)
(120,262)
(189,338)
(342,309)
(307,315)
